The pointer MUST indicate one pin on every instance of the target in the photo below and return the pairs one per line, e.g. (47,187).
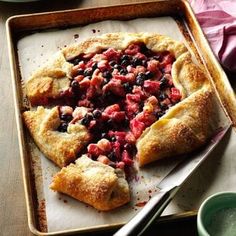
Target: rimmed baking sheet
(60,213)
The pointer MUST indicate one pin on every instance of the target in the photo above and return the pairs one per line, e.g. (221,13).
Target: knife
(168,188)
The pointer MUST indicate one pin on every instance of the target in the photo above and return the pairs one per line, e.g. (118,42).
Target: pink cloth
(218,21)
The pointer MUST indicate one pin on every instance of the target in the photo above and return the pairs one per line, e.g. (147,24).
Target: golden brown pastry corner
(94,183)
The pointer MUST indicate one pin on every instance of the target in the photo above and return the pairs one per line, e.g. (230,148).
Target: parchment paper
(66,213)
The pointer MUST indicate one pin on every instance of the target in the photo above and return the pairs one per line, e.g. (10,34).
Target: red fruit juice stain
(141,204)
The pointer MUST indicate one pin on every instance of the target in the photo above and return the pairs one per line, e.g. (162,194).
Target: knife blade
(169,187)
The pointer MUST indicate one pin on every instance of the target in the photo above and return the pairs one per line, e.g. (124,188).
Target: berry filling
(117,94)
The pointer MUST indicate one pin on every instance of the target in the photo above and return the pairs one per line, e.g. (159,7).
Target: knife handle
(155,206)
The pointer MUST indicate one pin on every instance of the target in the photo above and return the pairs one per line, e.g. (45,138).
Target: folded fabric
(218,21)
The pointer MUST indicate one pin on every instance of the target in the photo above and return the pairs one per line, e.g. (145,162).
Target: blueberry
(113,138)
(137,61)
(88,72)
(89,116)
(97,114)
(63,127)
(149,74)
(126,122)
(128,147)
(163,82)
(107,74)
(74,84)
(112,63)
(110,123)
(163,106)
(112,156)
(124,63)
(144,63)
(94,66)
(118,67)
(162,96)
(123,71)
(66,117)
(142,75)
(85,121)
(80,72)
(124,57)
(75,61)
(105,81)
(128,87)
(159,114)
(140,79)
(103,135)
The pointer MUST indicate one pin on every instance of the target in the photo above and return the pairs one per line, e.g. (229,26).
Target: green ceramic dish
(217,215)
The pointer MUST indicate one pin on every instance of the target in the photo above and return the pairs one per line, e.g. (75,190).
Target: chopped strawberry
(91,92)
(132,49)
(126,158)
(120,165)
(84,103)
(146,118)
(103,65)
(137,127)
(92,124)
(130,77)
(103,159)
(110,109)
(129,138)
(116,149)
(167,59)
(175,94)
(104,145)
(140,69)
(85,83)
(151,87)
(94,150)
(111,54)
(153,65)
(167,68)
(122,78)
(133,97)
(119,135)
(130,69)
(82,65)
(115,87)
(131,108)
(79,78)
(140,56)
(118,116)
(96,81)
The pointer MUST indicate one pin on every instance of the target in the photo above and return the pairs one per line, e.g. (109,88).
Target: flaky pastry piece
(94,183)
(187,125)
(59,147)
(49,81)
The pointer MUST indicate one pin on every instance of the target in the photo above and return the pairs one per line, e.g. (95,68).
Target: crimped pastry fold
(94,183)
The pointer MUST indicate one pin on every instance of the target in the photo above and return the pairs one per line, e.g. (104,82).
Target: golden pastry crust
(183,129)
(187,125)
(59,147)
(94,183)
(49,81)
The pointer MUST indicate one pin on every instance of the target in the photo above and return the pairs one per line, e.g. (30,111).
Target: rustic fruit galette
(114,100)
